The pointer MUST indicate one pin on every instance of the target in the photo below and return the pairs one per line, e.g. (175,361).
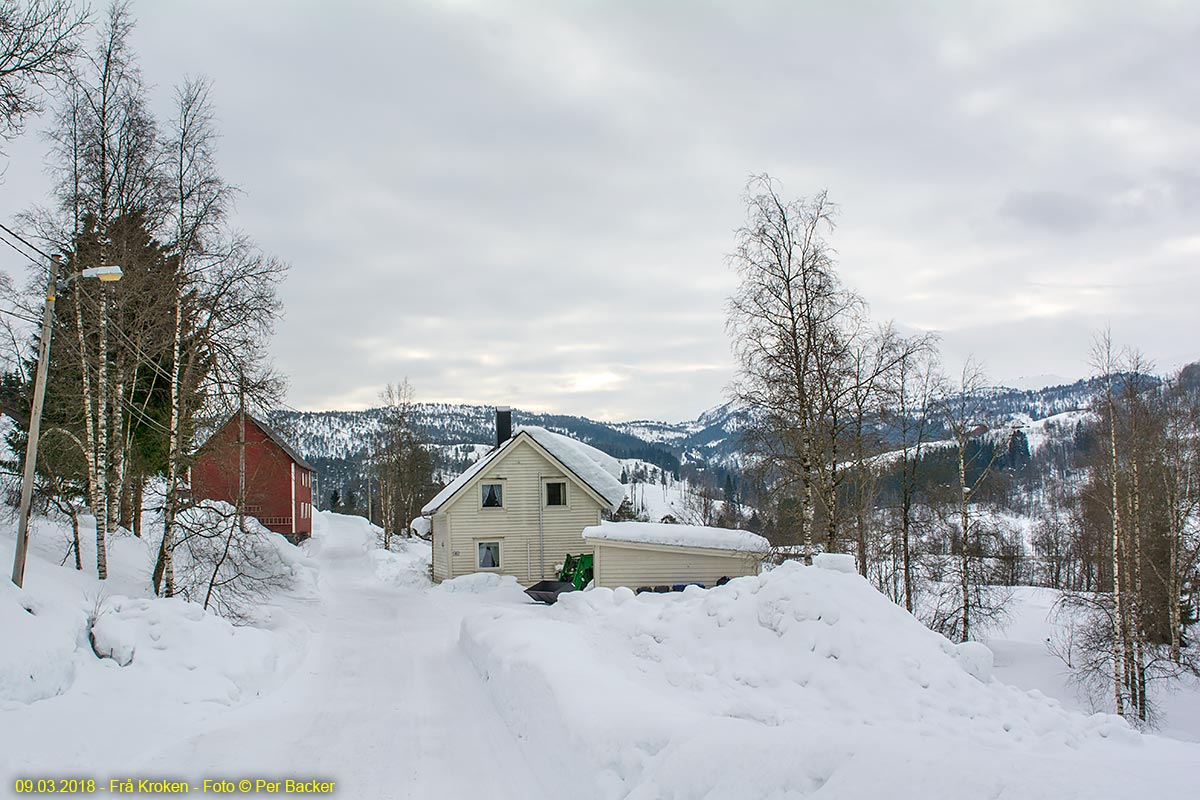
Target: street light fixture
(53,286)
(105,274)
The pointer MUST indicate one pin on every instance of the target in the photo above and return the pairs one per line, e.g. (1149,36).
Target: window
(556,493)
(489,555)
(493,495)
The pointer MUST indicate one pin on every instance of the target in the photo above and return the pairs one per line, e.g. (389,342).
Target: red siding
(269,481)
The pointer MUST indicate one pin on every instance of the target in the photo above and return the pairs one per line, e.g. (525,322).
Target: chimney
(503,424)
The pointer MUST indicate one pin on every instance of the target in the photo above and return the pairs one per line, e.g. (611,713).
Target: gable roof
(270,433)
(274,436)
(594,468)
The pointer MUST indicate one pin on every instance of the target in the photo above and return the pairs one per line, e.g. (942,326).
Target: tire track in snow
(384,703)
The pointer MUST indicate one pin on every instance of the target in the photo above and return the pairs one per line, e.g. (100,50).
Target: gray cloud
(1051,211)
(531,203)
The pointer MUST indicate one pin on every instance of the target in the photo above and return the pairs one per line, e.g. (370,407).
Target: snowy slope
(804,681)
(801,681)
(1023,657)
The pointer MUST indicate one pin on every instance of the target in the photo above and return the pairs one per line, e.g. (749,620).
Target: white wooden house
(523,507)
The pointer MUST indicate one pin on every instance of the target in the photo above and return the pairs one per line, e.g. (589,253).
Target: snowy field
(804,682)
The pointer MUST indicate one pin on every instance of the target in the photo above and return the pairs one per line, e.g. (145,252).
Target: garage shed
(636,554)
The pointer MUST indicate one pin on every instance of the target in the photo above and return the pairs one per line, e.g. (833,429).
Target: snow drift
(168,647)
(799,680)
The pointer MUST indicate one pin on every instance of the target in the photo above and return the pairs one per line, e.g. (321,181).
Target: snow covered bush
(229,563)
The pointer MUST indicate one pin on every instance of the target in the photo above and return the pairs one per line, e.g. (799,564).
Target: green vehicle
(575,574)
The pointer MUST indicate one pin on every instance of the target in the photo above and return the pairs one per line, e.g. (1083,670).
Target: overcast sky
(531,203)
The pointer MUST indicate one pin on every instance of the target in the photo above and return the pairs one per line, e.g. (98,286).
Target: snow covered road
(362,684)
(384,703)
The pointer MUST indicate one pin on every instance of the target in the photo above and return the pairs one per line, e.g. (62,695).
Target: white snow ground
(1023,659)
(361,683)
(802,682)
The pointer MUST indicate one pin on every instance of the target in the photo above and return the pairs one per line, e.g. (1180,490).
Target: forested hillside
(707,450)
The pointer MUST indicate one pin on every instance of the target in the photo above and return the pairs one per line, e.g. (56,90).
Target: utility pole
(105,274)
(35,423)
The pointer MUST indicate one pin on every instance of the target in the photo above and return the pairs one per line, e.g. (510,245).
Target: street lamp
(53,286)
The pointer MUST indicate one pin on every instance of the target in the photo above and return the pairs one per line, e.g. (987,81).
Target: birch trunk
(965,521)
(101,512)
(1137,628)
(1115,511)
(89,423)
(119,437)
(173,455)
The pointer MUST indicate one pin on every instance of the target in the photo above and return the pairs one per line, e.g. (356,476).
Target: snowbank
(838,562)
(406,566)
(38,643)
(55,636)
(69,635)
(779,685)
(176,648)
(679,535)
(506,586)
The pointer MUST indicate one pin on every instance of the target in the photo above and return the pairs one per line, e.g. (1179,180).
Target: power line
(141,354)
(23,241)
(19,251)
(20,316)
(142,416)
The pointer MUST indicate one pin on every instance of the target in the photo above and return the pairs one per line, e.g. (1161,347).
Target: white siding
(636,565)
(439,535)
(516,525)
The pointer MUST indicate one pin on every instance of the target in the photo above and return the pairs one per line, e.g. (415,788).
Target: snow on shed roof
(678,535)
(600,471)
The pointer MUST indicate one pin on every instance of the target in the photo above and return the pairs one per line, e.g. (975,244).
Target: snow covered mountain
(338,443)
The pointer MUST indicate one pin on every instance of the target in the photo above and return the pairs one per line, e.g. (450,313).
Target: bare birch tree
(402,463)
(916,391)
(976,604)
(784,321)
(39,40)
(811,364)
(171,344)
(199,201)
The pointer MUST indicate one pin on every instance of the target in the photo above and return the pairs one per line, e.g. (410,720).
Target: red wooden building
(279,487)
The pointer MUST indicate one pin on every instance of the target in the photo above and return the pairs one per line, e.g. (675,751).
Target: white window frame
(499,554)
(566,493)
(482,486)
